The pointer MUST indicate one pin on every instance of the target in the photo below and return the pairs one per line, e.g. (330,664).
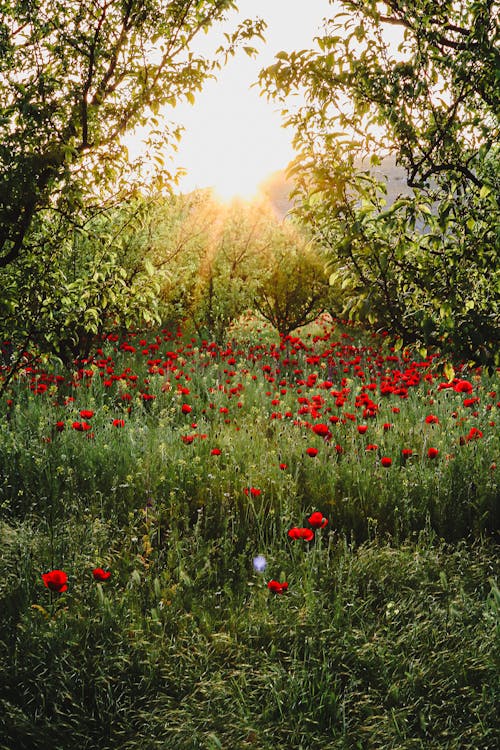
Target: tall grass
(387,636)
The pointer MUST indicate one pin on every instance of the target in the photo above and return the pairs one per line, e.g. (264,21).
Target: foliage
(239,237)
(427,266)
(293,289)
(74,78)
(61,295)
(225,260)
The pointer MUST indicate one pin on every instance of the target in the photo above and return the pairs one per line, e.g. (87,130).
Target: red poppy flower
(86,413)
(312,452)
(81,426)
(432,452)
(431,419)
(317,520)
(118,423)
(470,401)
(371,447)
(301,533)
(252,491)
(362,428)
(101,575)
(407,452)
(386,461)
(59,426)
(321,430)
(215,452)
(283,467)
(463,386)
(186,409)
(277,588)
(474,434)
(56,580)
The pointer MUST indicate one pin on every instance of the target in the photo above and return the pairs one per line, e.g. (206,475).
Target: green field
(172,463)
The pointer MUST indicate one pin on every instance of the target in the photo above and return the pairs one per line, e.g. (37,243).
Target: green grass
(388,636)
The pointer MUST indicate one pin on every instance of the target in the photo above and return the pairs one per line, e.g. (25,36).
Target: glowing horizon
(233,138)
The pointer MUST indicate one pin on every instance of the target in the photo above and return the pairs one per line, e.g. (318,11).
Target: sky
(233,138)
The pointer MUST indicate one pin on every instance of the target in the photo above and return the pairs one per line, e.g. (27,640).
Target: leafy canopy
(426,266)
(74,77)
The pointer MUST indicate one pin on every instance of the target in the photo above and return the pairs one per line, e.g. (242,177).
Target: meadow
(274,542)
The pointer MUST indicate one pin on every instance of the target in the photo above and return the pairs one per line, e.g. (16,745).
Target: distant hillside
(277,188)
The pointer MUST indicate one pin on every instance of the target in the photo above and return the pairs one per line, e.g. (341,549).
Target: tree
(232,265)
(293,286)
(223,261)
(427,266)
(75,76)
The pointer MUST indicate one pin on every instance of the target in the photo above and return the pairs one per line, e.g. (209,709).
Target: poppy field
(271,542)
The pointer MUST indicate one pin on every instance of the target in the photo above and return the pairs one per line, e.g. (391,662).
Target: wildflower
(56,580)
(312,452)
(301,533)
(252,491)
(86,413)
(321,430)
(186,409)
(386,461)
(432,452)
(118,423)
(463,386)
(259,563)
(215,452)
(277,588)
(406,453)
(317,520)
(474,434)
(283,467)
(59,426)
(431,419)
(101,575)
(81,426)
(470,401)
(371,447)
(362,428)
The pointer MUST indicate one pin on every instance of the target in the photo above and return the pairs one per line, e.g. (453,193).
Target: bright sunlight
(233,138)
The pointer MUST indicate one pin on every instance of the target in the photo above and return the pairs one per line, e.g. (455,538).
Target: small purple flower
(259,563)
